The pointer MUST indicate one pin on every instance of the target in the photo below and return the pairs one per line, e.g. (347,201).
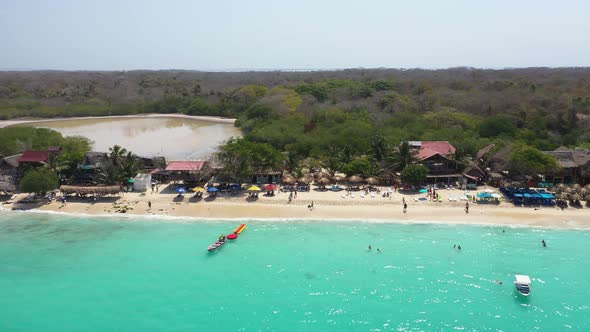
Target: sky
(292,35)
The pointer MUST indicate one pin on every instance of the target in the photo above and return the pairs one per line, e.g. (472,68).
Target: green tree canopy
(414,174)
(241,158)
(527,160)
(39,180)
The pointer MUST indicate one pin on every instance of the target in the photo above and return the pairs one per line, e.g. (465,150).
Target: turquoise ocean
(73,273)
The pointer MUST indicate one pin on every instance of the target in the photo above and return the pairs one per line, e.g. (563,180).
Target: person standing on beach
(405,207)
(467,207)
(149,205)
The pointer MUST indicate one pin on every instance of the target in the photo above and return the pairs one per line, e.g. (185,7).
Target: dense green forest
(349,115)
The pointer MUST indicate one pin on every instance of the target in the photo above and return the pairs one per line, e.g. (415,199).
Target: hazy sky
(304,34)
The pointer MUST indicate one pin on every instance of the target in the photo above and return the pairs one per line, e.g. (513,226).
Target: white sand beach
(327,206)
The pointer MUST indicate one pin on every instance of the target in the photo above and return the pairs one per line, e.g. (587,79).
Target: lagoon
(174,137)
(84,273)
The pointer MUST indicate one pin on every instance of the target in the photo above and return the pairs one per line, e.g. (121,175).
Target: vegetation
(39,181)
(242,158)
(350,120)
(414,174)
(124,165)
(528,160)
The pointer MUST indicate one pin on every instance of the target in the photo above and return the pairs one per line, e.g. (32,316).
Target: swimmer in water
(370,247)
(459,247)
(378,250)
(543,243)
(499,282)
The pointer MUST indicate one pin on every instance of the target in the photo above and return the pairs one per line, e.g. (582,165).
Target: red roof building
(432,148)
(34,157)
(191,166)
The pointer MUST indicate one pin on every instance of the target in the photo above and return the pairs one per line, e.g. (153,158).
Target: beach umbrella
(131,180)
(254,189)
(422,191)
(180,190)
(587,186)
(560,188)
(338,178)
(570,191)
(576,187)
(355,179)
(288,179)
(270,187)
(585,193)
(304,180)
(323,181)
(575,197)
(320,175)
(198,189)
(212,190)
(372,180)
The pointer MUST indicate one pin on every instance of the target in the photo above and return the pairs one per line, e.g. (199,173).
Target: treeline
(349,112)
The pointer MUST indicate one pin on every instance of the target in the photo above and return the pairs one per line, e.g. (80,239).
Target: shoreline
(216,119)
(326,209)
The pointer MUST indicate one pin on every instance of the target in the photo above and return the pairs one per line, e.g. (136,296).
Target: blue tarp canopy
(180,190)
(517,195)
(547,196)
(212,190)
(484,195)
(527,195)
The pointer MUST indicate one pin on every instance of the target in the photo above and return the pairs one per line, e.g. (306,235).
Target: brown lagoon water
(171,137)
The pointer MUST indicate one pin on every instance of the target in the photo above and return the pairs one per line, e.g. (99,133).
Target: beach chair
(351,195)
(372,194)
(362,195)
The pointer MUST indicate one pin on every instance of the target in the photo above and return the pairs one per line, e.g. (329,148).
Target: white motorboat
(523,284)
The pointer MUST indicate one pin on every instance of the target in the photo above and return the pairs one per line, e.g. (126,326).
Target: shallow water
(61,273)
(171,137)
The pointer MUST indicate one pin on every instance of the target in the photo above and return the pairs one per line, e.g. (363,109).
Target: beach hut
(373,181)
(304,180)
(142,182)
(288,180)
(339,178)
(355,179)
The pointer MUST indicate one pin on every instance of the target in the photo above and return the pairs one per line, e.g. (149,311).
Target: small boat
(216,245)
(523,284)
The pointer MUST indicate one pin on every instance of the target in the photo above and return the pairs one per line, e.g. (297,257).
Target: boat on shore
(523,285)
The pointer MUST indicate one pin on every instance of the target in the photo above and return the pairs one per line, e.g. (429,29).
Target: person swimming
(459,247)
(499,282)
(543,243)
(370,247)
(378,250)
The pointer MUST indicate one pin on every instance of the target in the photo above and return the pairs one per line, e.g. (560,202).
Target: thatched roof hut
(288,179)
(320,175)
(304,180)
(7,187)
(338,178)
(372,180)
(87,190)
(323,181)
(355,179)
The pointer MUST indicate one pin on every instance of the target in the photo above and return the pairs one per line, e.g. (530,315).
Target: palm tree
(129,165)
(401,157)
(117,154)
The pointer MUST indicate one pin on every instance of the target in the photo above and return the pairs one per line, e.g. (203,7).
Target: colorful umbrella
(254,189)
(270,187)
(180,190)
(212,190)
(198,189)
